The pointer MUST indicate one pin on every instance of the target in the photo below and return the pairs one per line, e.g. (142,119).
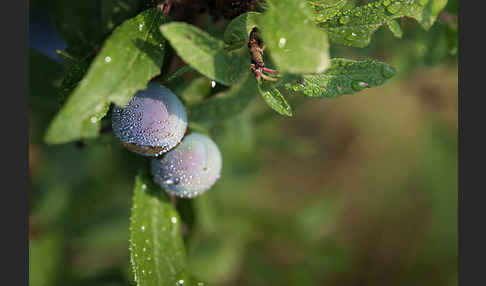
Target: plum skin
(190,169)
(152,123)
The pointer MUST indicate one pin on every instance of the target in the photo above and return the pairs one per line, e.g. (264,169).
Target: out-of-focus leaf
(354,27)
(276,101)
(238,30)
(45,257)
(114,12)
(226,104)
(70,18)
(344,77)
(130,57)
(431,12)
(205,53)
(294,43)
(157,250)
(195,91)
(395,28)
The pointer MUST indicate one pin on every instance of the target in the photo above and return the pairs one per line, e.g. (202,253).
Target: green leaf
(354,27)
(276,101)
(130,57)
(45,256)
(157,252)
(226,104)
(395,28)
(238,30)
(325,9)
(195,91)
(114,12)
(431,12)
(207,54)
(295,44)
(344,77)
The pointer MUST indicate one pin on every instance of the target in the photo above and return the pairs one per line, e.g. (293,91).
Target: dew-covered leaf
(157,252)
(325,9)
(226,104)
(343,77)
(238,30)
(206,54)
(294,43)
(130,57)
(354,27)
(275,100)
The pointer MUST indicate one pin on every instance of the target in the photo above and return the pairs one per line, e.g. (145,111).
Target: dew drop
(213,83)
(140,27)
(108,59)
(358,85)
(142,228)
(93,119)
(281,42)
(173,219)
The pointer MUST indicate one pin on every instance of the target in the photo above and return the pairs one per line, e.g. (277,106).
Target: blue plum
(152,123)
(191,168)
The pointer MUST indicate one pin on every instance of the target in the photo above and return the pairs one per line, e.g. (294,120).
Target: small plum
(191,168)
(152,123)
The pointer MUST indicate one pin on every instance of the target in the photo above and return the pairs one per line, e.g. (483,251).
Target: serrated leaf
(276,101)
(325,9)
(226,104)
(157,252)
(238,30)
(130,57)
(354,27)
(344,77)
(206,54)
(294,43)
(395,28)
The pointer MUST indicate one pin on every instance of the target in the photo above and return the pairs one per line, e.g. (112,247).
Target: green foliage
(157,251)
(130,57)
(354,27)
(395,28)
(325,9)
(114,50)
(295,44)
(238,30)
(343,77)
(226,104)
(275,100)
(206,54)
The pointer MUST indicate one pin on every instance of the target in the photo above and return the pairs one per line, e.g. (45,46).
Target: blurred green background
(356,190)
